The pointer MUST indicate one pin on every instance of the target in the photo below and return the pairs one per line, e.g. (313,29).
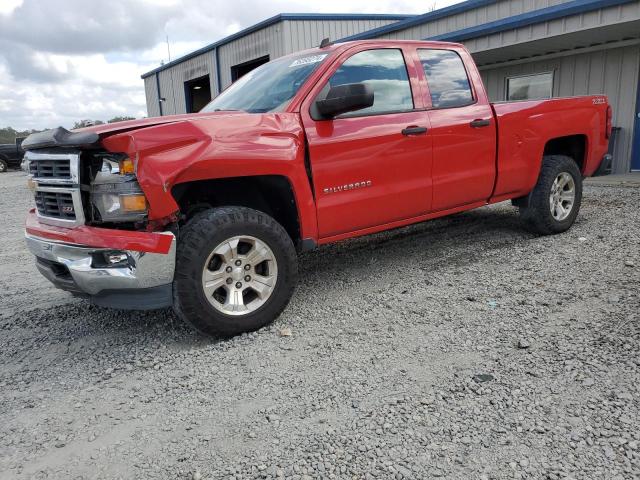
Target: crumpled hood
(89,137)
(185,148)
(118,127)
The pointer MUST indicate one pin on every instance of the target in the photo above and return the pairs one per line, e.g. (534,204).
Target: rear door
(462,128)
(370,167)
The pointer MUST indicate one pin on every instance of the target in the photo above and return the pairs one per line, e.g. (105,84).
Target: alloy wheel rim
(563,196)
(239,275)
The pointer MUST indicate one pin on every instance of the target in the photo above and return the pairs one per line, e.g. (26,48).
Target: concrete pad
(627,179)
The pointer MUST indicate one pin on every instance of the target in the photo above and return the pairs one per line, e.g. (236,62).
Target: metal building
(170,89)
(524,49)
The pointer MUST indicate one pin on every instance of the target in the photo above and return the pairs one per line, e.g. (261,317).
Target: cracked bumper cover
(143,282)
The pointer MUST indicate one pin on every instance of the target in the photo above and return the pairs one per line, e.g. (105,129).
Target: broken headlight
(115,193)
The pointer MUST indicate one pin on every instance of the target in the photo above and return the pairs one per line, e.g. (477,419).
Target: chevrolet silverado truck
(207,212)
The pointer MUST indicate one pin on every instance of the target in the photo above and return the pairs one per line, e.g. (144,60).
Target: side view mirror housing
(345,98)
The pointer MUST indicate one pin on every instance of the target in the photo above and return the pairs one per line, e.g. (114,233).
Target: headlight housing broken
(115,192)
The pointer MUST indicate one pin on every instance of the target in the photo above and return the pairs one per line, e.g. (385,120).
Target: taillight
(609,125)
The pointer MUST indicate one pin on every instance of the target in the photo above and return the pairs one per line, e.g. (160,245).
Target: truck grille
(55,204)
(58,168)
(57,187)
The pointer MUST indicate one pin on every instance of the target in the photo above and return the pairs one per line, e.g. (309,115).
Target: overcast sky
(67,60)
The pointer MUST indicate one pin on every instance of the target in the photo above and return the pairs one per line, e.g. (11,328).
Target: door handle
(414,131)
(480,122)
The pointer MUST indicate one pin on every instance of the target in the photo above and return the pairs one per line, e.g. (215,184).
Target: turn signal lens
(31,184)
(126,166)
(133,203)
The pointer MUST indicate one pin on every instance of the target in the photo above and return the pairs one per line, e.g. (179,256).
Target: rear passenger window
(447,78)
(385,71)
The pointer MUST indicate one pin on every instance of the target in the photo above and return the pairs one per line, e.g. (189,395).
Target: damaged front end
(103,250)
(76,182)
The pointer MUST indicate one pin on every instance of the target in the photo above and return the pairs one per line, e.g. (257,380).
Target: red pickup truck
(206,212)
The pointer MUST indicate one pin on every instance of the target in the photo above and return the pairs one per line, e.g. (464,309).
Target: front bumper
(142,282)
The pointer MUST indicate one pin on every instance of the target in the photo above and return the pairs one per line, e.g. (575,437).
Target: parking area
(460,348)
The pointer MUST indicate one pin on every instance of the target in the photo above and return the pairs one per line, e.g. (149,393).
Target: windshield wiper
(227,110)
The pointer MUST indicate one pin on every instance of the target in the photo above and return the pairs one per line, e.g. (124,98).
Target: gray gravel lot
(462,348)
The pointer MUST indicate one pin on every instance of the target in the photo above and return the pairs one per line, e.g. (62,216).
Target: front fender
(221,146)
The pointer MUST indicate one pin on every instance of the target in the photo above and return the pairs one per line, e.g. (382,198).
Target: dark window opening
(241,69)
(197,93)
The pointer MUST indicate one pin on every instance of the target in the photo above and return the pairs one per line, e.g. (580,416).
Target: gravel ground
(462,348)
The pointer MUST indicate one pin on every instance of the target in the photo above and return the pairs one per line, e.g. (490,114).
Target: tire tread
(192,242)
(537,216)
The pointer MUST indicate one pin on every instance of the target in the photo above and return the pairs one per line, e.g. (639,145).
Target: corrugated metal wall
(275,40)
(471,18)
(168,92)
(287,37)
(299,34)
(151,92)
(267,41)
(574,23)
(172,82)
(613,72)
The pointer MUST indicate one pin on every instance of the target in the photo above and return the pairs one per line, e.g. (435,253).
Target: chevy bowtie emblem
(348,186)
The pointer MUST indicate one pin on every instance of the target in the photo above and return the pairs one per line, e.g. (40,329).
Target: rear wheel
(555,200)
(236,270)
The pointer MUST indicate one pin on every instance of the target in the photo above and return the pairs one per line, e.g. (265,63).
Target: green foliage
(90,123)
(87,123)
(120,119)
(8,134)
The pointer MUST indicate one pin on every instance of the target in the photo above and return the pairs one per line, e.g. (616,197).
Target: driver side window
(385,71)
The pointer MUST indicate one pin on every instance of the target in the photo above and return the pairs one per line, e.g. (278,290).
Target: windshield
(268,88)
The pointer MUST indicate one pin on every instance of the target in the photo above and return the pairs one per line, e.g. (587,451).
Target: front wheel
(236,269)
(555,200)
(4,166)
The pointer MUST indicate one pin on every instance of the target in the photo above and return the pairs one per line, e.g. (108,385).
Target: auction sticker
(308,60)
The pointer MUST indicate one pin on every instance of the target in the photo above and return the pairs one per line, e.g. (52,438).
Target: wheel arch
(573,146)
(271,194)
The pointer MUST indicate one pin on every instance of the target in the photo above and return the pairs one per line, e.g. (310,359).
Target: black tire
(196,242)
(4,166)
(537,216)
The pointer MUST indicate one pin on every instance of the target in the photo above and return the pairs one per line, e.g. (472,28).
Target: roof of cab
(341,46)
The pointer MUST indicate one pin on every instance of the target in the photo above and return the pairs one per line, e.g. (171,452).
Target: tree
(87,123)
(120,119)
(9,134)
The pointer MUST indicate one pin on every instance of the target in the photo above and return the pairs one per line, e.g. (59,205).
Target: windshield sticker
(307,60)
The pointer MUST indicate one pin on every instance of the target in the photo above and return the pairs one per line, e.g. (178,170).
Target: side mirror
(345,98)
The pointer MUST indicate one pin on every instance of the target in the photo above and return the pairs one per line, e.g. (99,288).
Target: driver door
(370,167)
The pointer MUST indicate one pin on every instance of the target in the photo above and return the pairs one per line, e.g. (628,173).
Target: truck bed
(524,128)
